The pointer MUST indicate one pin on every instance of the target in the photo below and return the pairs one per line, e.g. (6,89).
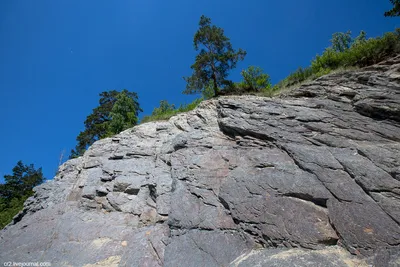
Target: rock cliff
(308,179)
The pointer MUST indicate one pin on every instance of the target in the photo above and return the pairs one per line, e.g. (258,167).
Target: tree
(16,189)
(341,41)
(395,11)
(96,124)
(208,91)
(22,181)
(215,59)
(123,114)
(254,79)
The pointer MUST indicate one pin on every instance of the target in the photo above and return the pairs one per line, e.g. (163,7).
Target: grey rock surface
(311,178)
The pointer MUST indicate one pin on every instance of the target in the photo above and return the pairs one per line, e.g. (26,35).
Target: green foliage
(96,124)
(123,114)
(166,110)
(395,11)
(341,41)
(190,106)
(216,57)
(8,209)
(23,179)
(330,59)
(299,75)
(16,189)
(360,39)
(208,91)
(346,53)
(255,80)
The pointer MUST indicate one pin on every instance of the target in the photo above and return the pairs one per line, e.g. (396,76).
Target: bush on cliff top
(346,52)
(166,110)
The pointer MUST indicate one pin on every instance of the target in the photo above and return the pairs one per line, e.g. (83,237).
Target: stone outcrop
(308,179)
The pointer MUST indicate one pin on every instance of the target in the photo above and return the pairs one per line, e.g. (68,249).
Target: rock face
(308,179)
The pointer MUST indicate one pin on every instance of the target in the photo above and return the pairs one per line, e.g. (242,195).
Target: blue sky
(57,56)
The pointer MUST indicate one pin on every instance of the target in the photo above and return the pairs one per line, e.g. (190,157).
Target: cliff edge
(308,179)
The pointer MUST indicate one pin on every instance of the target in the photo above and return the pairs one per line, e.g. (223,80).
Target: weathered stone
(101,191)
(328,257)
(205,248)
(311,178)
(89,192)
(117,199)
(123,182)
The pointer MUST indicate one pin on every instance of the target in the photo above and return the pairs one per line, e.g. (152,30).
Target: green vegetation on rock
(106,120)
(16,189)
(346,52)
(119,111)
(166,110)
(255,80)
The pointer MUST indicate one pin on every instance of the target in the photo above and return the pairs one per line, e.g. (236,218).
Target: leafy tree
(215,59)
(395,11)
(96,124)
(254,79)
(16,189)
(341,41)
(123,114)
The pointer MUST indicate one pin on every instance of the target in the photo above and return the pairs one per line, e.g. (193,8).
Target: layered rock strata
(308,179)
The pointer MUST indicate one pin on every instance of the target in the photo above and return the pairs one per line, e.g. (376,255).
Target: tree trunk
(214,77)
(216,91)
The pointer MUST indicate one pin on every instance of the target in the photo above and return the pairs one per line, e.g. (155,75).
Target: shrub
(254,79)
(345,53)
(190,106)
(166,110)
(330,59)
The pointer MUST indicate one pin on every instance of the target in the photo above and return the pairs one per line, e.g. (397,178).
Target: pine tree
(215,59)
(395,11)
(22,181)
(16,189)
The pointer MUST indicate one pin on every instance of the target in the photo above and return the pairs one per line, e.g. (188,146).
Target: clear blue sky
(57,56)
